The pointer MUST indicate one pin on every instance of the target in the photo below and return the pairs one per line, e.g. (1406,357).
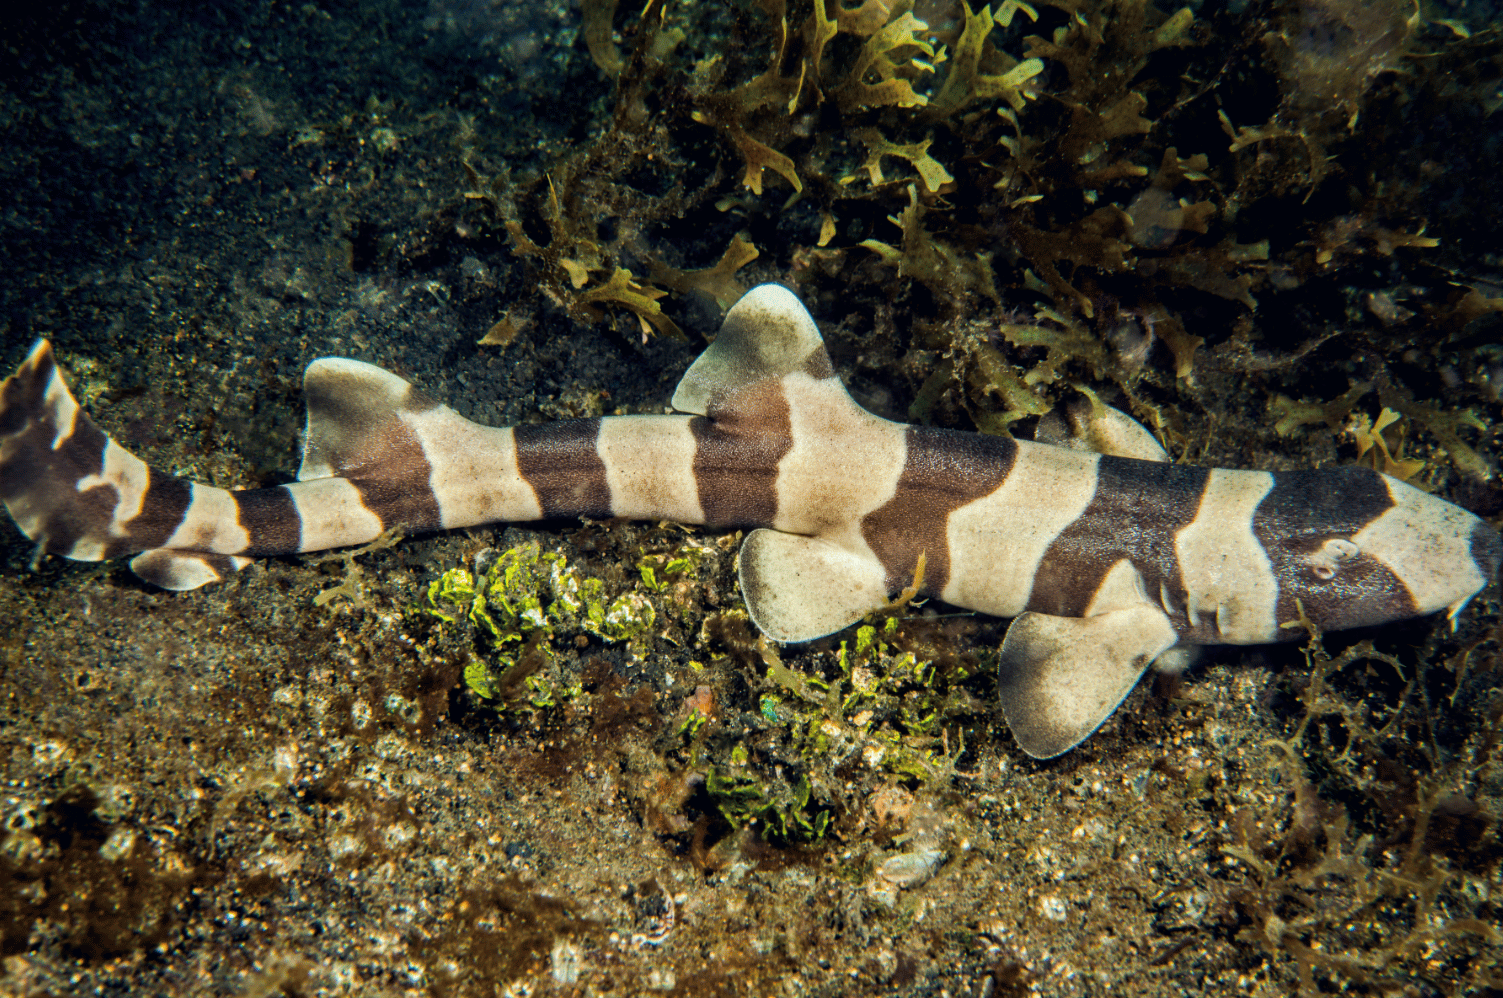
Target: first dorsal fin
(767,334)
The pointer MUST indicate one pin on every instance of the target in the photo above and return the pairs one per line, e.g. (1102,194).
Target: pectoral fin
(800,588)
(1060,677)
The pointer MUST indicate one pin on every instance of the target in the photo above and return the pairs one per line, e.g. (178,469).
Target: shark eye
(1327,559)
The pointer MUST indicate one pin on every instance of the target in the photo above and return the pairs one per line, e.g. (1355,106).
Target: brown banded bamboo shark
(1108,564)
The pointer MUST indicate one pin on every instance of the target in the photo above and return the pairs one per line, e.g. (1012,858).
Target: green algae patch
(524,599)
(452,595)
(629,617)
(527,591)
(889,705)
(481,680)
(782,813)
(660,572)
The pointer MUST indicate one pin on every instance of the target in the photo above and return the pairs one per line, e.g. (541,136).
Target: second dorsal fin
(352,407)
(766,334)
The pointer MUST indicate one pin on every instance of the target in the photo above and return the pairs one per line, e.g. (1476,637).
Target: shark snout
(1440,553)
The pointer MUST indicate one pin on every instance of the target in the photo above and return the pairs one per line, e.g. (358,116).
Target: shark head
(1366,548)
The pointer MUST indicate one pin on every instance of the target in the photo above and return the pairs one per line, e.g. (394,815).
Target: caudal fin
(78,494)
(69,487)
(379,454)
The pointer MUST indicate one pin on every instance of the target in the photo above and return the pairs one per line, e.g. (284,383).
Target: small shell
(565,961)
(910,869)
(1053,908)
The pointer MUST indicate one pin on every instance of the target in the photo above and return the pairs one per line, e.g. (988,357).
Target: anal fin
(800,588)
(1061,677)
(184,570)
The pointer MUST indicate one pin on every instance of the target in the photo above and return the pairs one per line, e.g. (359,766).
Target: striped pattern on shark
(1106,562)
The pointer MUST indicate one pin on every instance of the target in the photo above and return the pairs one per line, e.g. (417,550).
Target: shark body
(1106,563)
